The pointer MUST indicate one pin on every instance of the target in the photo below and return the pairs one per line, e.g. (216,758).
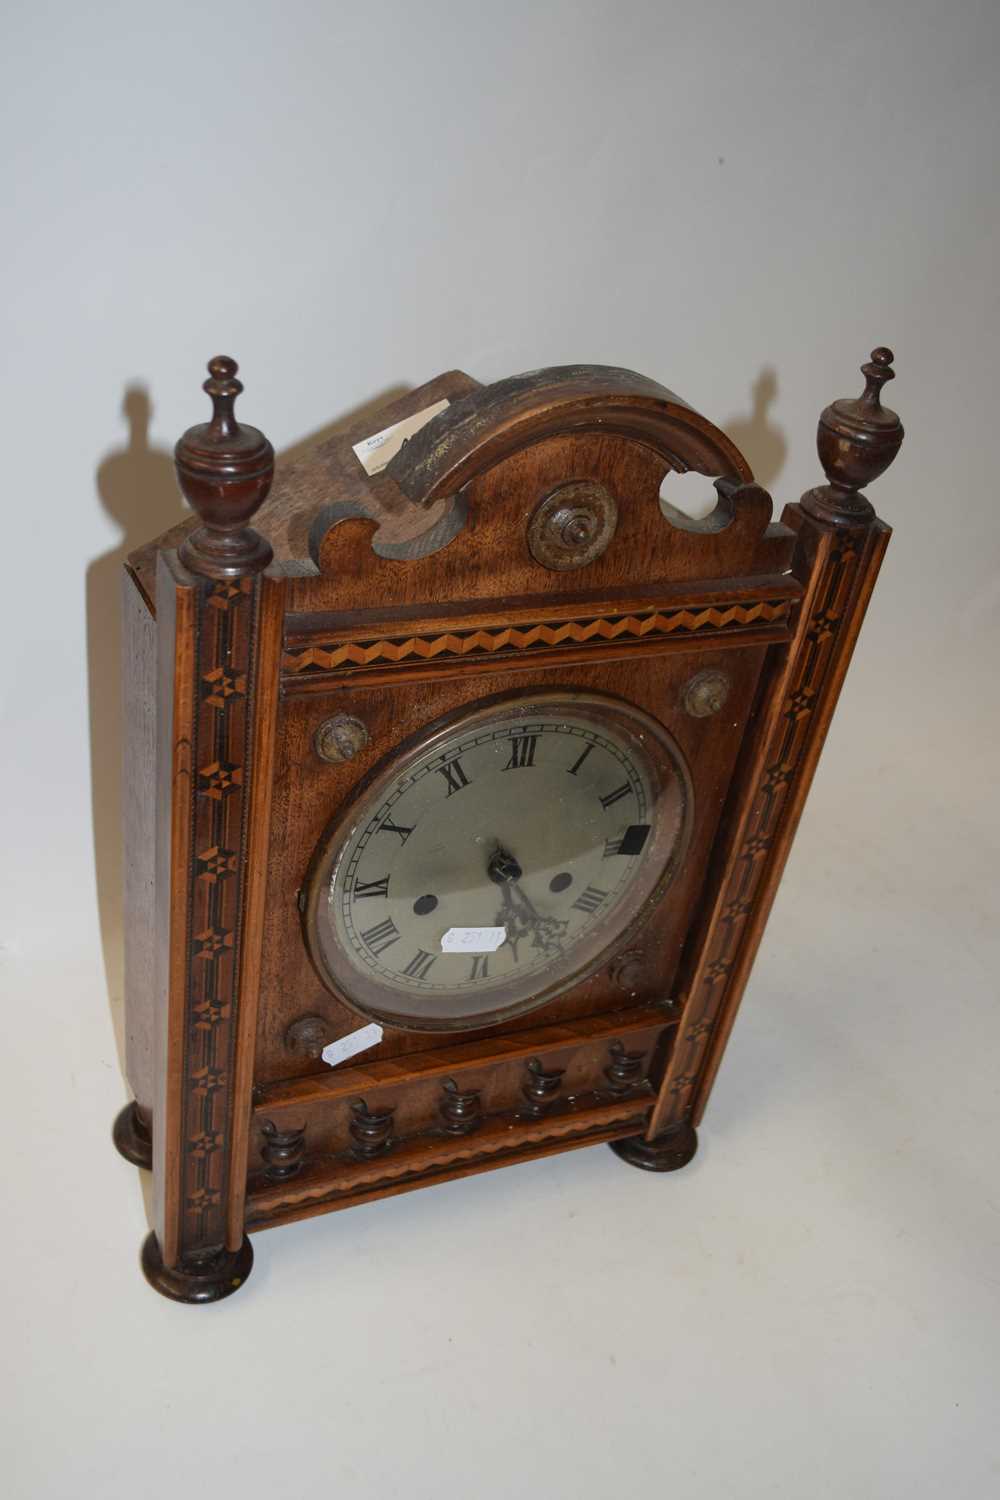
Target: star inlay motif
(777,776)
(230,589)
(699,1031)
(202,1146)
(209,1013)
(221,779)
(735,910)
(208,1080)
(223,685)
(822,625)
(203,1198)
(212,943)
(800,703)
(218,863)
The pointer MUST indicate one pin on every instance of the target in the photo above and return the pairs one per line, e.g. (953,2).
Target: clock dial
(486,869)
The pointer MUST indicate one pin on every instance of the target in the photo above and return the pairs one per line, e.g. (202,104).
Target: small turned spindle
(225,471)
(461,1110)
(283,1150)
(857,440)
(540,1088)
(370,1129)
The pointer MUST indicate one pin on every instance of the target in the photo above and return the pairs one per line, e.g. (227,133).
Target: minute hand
(519,912)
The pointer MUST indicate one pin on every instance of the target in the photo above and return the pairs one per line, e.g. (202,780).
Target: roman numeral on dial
(615,796)
(420,964)
(378,887)
(579,761)
(522,751)
(480,966)
(589,900)
(454,775)
(381,936)
(390,827)
(630,842)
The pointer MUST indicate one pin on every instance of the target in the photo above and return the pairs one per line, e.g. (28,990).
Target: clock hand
(546,933)
(512,921)
(504,870)
(502,867)
(518,913)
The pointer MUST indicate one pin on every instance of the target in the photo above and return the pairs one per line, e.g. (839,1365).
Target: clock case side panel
(837,564)
(218,650)
(132,1130)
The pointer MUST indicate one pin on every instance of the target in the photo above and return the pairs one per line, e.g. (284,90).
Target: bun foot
(664,1153)
(218,1274)
(131,1136)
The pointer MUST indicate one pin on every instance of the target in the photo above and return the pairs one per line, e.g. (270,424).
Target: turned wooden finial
(225,471)
(857,440)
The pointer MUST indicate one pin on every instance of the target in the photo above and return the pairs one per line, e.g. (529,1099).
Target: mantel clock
(458,788)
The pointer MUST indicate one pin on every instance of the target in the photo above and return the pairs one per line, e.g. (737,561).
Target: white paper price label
(380,449)
(473,939)
(355,1041)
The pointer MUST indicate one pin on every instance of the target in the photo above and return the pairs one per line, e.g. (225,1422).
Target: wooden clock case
(515,543)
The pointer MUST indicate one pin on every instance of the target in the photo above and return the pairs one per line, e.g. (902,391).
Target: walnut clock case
(485,754)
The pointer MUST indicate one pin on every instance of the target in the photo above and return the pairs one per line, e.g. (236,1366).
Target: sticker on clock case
(473,939)
(355,1041)
(377,452)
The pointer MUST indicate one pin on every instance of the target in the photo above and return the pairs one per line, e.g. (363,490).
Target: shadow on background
(138,490)
(761,441)
(137,486)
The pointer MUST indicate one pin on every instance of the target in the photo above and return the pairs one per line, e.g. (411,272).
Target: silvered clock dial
(501,858)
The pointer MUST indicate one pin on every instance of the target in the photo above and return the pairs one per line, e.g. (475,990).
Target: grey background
(739,200)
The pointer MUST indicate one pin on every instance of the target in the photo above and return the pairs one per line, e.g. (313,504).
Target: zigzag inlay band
(329,656)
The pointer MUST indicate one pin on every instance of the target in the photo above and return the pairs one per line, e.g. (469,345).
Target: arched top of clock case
(499,420)
(448,517)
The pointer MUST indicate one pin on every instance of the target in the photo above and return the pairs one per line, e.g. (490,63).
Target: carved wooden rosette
(840,546)
(218,643)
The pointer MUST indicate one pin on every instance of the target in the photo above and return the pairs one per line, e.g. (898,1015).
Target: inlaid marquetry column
(218,642)
(840,545)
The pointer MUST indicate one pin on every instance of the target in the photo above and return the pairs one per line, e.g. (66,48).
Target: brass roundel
(572,526)
(705,693)
(340,738)
(628,970)
(309,1034)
